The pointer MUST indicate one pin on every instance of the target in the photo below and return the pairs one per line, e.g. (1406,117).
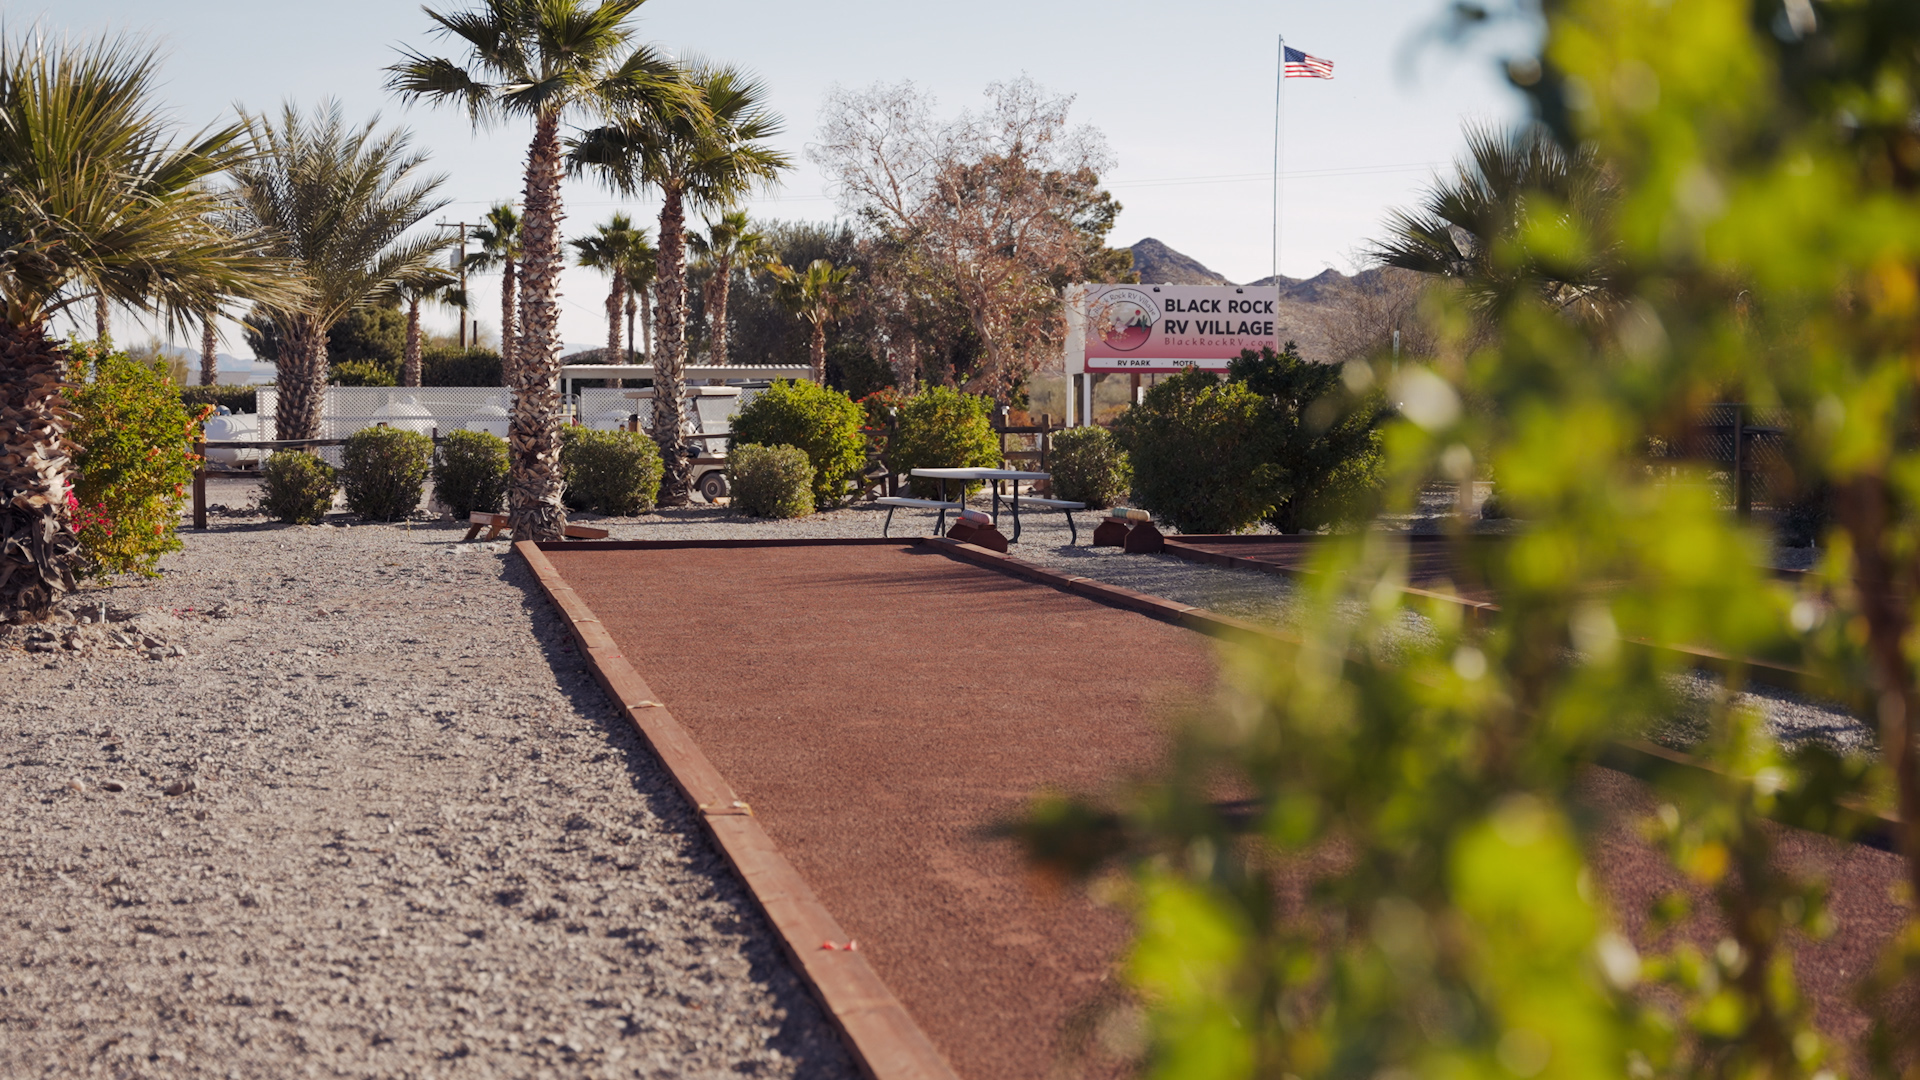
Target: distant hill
(1158,264)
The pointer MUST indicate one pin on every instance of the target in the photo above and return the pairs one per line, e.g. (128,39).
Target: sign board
(1157,328)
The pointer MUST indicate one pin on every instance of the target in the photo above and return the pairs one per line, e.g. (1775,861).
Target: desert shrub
(1325,438)
(238,399)
(821,422)
(460,367)
(1202,453)
(134,457)
(296,487)
(363,373)
(1088,466)
(609,472)
(771,481)
(382,469)
(942,428)
(470,472)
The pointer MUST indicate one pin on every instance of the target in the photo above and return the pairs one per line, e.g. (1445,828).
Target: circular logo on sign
(1124,318)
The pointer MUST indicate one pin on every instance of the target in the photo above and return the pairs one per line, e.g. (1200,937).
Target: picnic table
(996,477)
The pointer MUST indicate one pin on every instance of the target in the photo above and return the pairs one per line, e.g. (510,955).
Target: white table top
(979,474)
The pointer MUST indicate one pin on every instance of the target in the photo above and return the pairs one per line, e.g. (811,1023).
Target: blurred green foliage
(1414,891)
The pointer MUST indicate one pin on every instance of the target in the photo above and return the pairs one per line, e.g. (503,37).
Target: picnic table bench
(895,502)
(495,524)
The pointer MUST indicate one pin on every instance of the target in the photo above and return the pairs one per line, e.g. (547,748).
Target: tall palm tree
(610,248)
(499,237)
(1464,226)
(817,295)
(641,274)
(707,155)
(209,355)
(428,283)
(338,202)
(98,198)
(543,60)
(730,244)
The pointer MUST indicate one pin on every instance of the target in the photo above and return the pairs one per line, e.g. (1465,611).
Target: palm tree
(428,283)
(816,294)
(728,244)
(611,249)
(543,60)
(338,202)
(499,237)
(209,356)
(706,155)
(641,274)
(1463,227)
(98,200)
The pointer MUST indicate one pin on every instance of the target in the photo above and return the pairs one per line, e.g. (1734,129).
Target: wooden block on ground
(1110,533)
(1144,539)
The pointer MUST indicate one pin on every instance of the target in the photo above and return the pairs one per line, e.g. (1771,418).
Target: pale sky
(1183,92)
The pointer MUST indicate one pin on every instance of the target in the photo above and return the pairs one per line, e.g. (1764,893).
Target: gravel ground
(376,821)
(338,801)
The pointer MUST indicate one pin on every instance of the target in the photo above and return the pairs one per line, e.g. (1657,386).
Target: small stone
(156,654)
(178,787)
(76,785)
(112,785)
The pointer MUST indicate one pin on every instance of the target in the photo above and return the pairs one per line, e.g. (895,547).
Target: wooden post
(200,483)
(1742,482)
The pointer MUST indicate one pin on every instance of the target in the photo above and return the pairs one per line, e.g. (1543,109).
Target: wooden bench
(495,524)
(895,502)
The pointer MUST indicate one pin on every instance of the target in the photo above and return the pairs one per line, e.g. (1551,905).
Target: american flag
(1302,66)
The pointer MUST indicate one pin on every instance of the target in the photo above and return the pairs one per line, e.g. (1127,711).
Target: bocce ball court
(851,718)
(877,707)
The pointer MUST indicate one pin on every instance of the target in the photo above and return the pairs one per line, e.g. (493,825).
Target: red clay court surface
(1430,562)
(880,705)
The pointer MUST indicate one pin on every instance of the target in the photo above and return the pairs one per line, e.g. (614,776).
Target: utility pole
(460,267)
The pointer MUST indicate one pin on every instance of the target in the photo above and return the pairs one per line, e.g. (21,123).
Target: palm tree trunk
(410,369)
(302,382)
(632,306)
(669,367)
(209,358)
(646,324)
(534,431)
(614,296)
(38,548)
(102,319)
(507,300)
(722,284)
(817,352)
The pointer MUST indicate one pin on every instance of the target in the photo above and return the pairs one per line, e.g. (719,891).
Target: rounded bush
(133,452)
(362,373)
(616,473)
(1088,466)
(1203,454)
(296,487)
(771,481)
(382,470)
(821,422)
(470,471)
(942,428)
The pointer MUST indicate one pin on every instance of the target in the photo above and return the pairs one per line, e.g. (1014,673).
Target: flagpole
(1279,80)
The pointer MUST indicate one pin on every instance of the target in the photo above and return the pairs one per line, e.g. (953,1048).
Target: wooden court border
(881,1035)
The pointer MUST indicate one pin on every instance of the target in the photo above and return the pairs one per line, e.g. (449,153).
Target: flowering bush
(132,440)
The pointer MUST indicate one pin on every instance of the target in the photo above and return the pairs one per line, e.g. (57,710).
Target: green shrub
(238,399)
(134,457)
(1203,454)
(1088,466)
(1326,440)
(616,473)
(942,428)
(363,373)
(821,422)
(296,487)
(460,367)
(470,471)
(382,469)
(771,481)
